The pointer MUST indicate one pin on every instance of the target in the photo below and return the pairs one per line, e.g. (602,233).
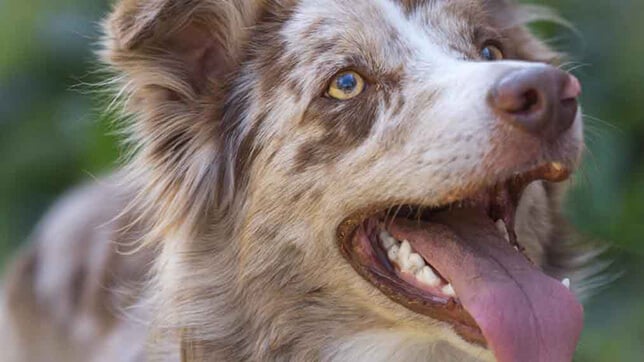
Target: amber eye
(346,85)
(491,52)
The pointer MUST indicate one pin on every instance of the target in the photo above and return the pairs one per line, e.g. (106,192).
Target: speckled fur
(241,171)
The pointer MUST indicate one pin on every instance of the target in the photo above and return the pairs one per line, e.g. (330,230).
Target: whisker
(578,66)
(419,214)
(395,214)
(600,121)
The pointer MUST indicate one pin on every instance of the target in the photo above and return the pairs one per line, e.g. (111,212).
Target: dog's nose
(541,101)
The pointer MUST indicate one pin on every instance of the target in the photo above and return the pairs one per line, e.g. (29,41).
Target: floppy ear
(170,60)
(200,39)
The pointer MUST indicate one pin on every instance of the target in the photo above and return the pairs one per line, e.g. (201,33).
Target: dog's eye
(346,85)
(491,52)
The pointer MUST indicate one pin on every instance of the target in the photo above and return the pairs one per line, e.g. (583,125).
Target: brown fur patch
(264,51)
(348,123)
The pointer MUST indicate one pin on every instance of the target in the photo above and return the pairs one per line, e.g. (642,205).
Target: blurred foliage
(52,136)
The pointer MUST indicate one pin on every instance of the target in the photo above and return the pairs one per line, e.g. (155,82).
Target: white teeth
(500,225)
(403,255)
(448,290)
(405,250)
(392,253)
(566,283)
(387,240)
(427,276)
(406,259)
(416,261)
(390,244)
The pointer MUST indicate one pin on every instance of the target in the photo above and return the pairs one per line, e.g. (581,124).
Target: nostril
(539,100)
(515,98)
(530,101)
(570,103)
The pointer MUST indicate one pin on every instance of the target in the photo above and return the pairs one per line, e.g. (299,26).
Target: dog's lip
(421,301)
(553,171)
(415,299)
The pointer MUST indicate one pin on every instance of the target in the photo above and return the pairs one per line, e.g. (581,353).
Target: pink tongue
(524,314)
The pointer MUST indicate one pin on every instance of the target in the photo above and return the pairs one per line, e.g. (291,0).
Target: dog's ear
(197,42)
(133,21)
(172,60)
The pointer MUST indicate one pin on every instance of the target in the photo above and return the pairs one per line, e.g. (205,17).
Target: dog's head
(385,164)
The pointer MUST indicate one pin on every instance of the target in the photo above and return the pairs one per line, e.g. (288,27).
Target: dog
(317,180)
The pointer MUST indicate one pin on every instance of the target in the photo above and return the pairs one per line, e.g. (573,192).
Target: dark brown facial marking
(267,49)
(346,125)
(265,52)
(247,152)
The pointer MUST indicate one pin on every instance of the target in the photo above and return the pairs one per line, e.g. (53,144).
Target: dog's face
(402,151)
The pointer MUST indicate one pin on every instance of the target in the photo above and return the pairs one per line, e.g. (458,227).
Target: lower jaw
(498,299)
(400,289)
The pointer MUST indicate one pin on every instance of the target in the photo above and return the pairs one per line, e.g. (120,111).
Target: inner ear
(200,53)
(186,47)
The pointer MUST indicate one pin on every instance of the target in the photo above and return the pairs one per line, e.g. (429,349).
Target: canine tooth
(387,240)
(405,250)
(566,282)
(403,256)
(449,290)
(427,276)
(416,261)
(392,253)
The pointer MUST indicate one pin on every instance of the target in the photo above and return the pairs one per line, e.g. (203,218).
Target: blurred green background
(53,136)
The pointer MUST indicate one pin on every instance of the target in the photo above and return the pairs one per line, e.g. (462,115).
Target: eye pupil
(487,54)
(346,85)
(491,53)
(347,82)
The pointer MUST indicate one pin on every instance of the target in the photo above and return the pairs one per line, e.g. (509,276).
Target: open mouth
(461,263)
